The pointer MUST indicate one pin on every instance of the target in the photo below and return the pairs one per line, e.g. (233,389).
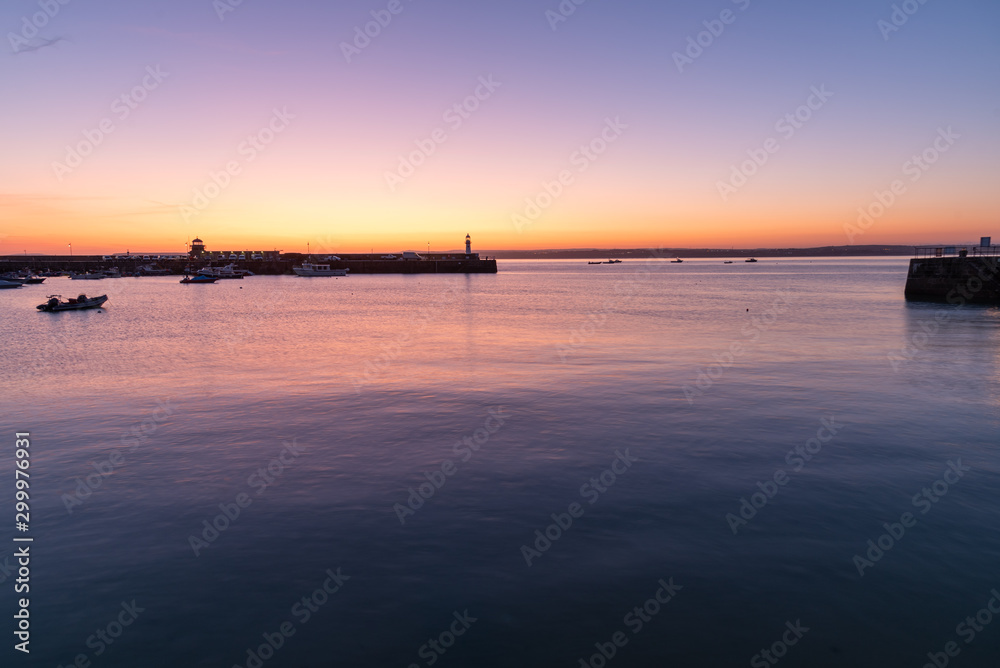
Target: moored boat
(229,272)
(81,302)
(309,269)
(199,279)
(753,259)
(7,285)
(23,278)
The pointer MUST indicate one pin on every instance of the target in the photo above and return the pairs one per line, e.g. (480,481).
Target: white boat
(6,285)
(87,277)
(309,269)
(150,270)
(228,271)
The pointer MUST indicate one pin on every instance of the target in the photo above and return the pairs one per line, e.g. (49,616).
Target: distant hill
(582,253)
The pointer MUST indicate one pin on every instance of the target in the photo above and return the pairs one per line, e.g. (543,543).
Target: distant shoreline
(693,253)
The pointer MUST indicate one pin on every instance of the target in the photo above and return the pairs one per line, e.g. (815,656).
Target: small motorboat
(199,279)
(7,285)
(24,279)
(676,260)
(728,262)
(753,259)
(87,277)
(595,263)
(81,302)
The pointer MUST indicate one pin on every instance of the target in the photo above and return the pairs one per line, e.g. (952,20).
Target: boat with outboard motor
(199,279)
(81,302)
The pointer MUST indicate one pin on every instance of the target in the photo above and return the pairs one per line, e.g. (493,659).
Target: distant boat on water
(309,269)
(676,260)
(753,259)
(728,262)
(199,279)
(7,285)
(87,277)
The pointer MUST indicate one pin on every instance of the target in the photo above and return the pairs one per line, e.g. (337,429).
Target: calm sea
(508,470)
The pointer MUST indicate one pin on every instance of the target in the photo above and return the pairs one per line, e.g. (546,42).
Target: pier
(259,262)
(955,274)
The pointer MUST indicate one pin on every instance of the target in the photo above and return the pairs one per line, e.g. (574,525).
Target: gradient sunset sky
(678,126)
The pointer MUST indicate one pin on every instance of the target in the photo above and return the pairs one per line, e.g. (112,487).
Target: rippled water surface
(657,397)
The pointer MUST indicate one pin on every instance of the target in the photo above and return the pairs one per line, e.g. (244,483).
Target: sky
(527,123)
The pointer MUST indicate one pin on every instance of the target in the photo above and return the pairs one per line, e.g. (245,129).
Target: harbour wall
(357,264)
(954,279)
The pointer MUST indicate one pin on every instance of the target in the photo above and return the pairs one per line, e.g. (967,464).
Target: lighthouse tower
(468,245)
(197,247)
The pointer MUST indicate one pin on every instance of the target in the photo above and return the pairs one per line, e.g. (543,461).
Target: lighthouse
(197,247)
(468,245)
